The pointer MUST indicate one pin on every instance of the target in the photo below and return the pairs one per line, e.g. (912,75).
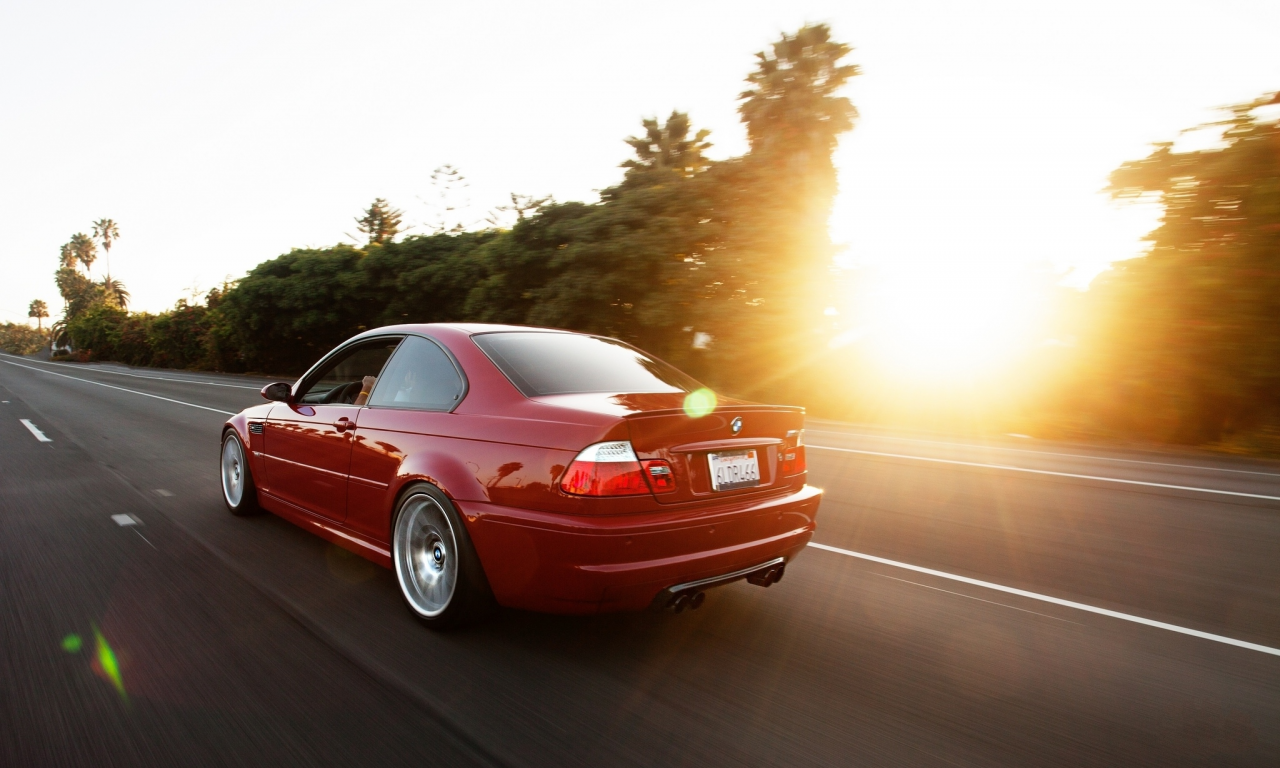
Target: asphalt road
(998,620)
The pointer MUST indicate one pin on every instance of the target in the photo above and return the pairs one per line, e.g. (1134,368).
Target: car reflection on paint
(525,467)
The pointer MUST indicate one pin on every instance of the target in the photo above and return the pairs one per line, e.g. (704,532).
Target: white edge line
(122,389)
(33,429)
(1044,453)
(1054,600)
(1048,472)
(155,378)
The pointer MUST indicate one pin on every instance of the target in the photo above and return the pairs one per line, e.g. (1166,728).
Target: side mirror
(279,392)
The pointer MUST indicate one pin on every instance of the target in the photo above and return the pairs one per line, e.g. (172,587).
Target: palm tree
(39,310)
(106,231)
(86,252)
(114,292)
(669,147)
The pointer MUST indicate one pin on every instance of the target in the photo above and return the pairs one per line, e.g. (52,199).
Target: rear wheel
(437,569)
(238,490)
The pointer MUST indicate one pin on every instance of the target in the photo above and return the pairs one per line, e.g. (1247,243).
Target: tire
(439,575)
(238,490)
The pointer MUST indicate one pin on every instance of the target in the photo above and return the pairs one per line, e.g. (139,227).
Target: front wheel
(238,490)
(439,575)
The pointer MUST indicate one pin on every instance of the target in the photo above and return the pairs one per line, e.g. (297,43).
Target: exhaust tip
(767,578)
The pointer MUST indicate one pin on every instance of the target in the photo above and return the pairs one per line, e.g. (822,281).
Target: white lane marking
(122,389)
(1008,468)
(971,597)
(144,538)
(126,520)
(1045,453)
(156,378)
(1054,600)
(163,492)
(33,429)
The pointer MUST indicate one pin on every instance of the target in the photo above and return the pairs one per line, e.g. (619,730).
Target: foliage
(106,232)
(20,339)
(791,106)
(39,310)
(288,311)
(113,292)
(84,250)
(669,147)
(380,222)
(1188,336)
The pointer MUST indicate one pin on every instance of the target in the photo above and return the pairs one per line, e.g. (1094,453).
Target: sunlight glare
(919,325)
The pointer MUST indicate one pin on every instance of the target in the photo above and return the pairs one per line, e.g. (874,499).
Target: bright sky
(219,135)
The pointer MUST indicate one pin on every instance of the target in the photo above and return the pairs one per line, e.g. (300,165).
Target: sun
(946,324)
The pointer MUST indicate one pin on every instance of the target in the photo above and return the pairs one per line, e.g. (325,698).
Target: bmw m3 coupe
(525,467)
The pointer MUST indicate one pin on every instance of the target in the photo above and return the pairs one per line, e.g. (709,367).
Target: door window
(342,379)
(420,376)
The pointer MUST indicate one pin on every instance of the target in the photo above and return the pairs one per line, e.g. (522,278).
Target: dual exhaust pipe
(691,597)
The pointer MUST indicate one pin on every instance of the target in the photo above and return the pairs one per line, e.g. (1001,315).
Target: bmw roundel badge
(736,424)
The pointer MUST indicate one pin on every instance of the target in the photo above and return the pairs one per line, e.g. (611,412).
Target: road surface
(1006,603)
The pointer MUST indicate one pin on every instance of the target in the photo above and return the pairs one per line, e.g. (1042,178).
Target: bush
(18,339)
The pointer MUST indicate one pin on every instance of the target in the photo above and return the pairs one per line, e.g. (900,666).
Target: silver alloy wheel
(425,552)
(233,470)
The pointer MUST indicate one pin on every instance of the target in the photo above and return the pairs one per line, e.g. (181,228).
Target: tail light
(793,461)
(612,469)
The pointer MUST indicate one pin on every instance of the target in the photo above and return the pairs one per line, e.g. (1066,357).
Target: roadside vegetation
(724,267)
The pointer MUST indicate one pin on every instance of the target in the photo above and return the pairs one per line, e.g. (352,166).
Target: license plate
(735,469)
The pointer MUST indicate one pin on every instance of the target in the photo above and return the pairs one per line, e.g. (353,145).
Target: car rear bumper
(578,564)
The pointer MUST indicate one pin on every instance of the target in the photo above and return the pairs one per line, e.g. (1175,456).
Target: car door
(406,414)
(308,440)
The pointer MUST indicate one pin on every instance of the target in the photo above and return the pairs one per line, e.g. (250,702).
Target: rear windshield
(568,363)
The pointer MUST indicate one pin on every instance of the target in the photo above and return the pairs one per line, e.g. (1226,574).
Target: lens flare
(699,403)
(108,663)
(72,643)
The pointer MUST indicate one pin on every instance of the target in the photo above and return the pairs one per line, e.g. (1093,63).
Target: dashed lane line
(33,429)
(122,389)
(1008,468)
(1054,600)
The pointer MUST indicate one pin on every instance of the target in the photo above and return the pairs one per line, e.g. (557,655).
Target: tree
(106,232)
(451,202)
(1187,342)
(39,310)
(84,249)
(669,148)
(113,292)
(381,222)
(791,107)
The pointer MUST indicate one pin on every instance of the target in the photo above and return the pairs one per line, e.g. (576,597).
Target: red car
(541,469)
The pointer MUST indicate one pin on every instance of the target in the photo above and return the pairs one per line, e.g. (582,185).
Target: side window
(342,379)
(421,376)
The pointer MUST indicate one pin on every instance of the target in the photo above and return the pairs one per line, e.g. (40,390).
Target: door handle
(343,424)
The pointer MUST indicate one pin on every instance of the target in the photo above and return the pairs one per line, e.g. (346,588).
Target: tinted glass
(567,363)
(420,375)
(339,382)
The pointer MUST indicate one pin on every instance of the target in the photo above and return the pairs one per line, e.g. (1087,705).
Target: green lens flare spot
(699,403)
(72,643)
(107,660)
